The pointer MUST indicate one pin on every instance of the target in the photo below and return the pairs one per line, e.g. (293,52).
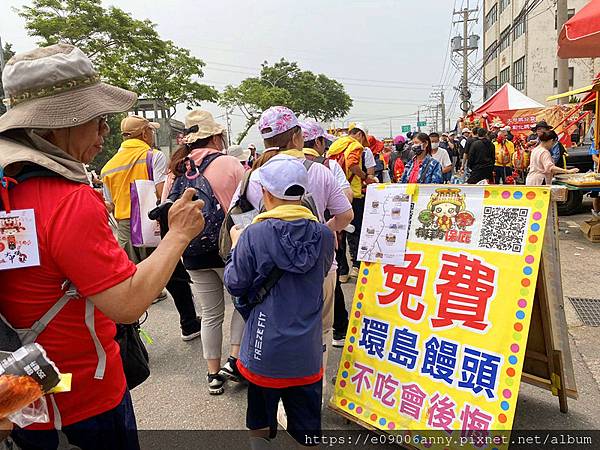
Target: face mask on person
(435,145)
(417,149)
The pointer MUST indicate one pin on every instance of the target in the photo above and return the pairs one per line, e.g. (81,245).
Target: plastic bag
(36,412)
(26,375)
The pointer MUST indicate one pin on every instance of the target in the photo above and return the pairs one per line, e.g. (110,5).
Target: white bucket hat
(239,152)
(57,87)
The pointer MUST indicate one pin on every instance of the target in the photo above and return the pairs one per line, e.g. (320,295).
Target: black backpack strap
(207,160)
(243,201)
(274,276)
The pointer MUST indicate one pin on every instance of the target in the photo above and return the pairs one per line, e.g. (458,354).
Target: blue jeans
(115,429)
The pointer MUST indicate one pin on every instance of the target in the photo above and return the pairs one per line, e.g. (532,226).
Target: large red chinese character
(475,424)
(465,287)
(410,283)
(412,400)
(441,412)
(385,388)
(361,377)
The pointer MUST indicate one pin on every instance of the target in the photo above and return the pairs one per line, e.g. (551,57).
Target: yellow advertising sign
(437,343)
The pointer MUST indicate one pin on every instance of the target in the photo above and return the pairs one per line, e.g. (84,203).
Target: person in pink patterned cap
(283,134)
(315,144)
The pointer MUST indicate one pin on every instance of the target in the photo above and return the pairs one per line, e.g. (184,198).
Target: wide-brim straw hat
(57,87)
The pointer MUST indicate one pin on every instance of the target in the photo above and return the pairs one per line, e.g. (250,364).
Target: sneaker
(215,383)
(281,415)
(344,278)
(230,371)
(193,332)
(354,273)
(162,296)
(338,339)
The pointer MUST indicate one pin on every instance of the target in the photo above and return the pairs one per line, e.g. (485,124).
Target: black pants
(179,287)
(115,429)
(340,314)
(501,173)
(358,206)
(341,256)
(478,175)
(181,291)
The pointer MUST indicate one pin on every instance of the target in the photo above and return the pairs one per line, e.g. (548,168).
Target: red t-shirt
(277,383)
(414,173)
(75,243)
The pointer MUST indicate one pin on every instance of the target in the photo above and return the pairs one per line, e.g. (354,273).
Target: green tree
(284,83)
(127,52)
(7,53)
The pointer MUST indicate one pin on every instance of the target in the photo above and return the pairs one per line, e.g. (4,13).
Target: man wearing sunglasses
(131,163)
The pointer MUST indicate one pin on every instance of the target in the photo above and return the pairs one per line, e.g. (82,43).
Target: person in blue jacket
(281,354)
(422,168)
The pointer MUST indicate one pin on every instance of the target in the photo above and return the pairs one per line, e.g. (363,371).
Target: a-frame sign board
(548,363)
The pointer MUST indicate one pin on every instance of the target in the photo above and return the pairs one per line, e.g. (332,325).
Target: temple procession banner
(437,343)
(521,120)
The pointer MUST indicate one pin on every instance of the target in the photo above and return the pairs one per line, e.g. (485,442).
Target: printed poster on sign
(385,224)
(436,345)
(18,239)
(457,216)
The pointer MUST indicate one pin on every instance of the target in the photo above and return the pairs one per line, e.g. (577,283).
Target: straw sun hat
(200,124)
(57,87)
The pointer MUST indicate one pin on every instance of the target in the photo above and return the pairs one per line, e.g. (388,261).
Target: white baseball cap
(281,173)
(466,130)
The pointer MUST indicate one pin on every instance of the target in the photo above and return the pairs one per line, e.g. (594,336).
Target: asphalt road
(175,397)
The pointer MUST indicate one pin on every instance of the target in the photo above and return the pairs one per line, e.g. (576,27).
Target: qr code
(504,228)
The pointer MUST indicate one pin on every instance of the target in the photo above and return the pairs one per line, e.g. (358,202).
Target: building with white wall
(520,44)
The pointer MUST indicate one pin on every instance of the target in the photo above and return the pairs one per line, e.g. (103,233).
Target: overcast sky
(389,54)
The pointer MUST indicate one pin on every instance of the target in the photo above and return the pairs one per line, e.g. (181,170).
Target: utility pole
(443,107)
(2,62)
(419,119)
(562,64)
(228,120)
(391,132)
(465,45)
(440,109)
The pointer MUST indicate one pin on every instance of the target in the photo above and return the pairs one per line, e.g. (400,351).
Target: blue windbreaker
(283,335)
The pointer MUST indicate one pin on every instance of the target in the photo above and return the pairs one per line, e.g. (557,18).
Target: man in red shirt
(57,122)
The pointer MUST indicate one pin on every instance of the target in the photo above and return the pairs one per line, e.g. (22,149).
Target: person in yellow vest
(130,164)
(348,152)
(504,153)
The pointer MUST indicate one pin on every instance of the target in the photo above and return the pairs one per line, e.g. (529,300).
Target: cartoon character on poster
(18,240)
(9,227)
(446,217)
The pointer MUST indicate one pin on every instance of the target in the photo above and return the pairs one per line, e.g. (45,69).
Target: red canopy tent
(507,98)
(580,36)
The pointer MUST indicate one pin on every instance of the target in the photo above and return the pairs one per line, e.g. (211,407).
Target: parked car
(576,157)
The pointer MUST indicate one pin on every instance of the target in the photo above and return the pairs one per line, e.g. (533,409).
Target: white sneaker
(281,415)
